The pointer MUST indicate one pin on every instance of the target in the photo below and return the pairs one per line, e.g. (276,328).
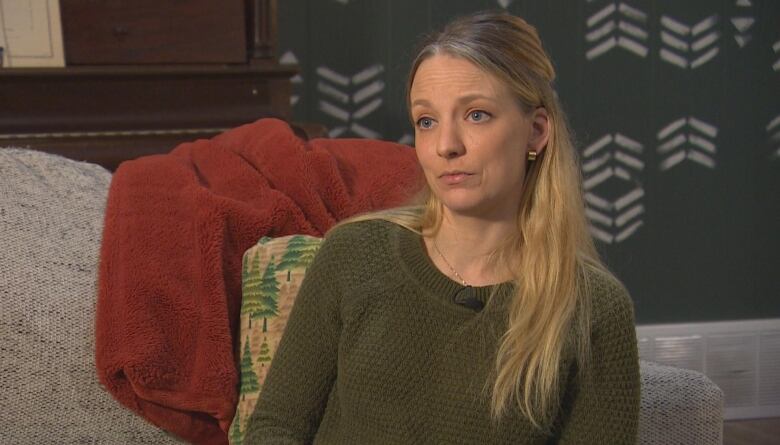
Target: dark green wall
(684,111)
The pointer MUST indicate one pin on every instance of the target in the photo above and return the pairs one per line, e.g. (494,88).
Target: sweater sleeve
(603,406)
(302,373)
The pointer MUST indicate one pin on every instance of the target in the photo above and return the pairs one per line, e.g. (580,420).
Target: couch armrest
(51,221)
(679,406)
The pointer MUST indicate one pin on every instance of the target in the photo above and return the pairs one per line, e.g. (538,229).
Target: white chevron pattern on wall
(687,138)
(776,49)
(406,139)
(689,46)
(616,25)
(289,58)
(351,98)
(773,130)
(613,157)
(505,3)
(742,23)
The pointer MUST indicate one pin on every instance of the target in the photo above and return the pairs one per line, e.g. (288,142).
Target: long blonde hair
(551,252)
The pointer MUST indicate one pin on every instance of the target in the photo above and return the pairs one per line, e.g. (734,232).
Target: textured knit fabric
(176,226)
(375,351)
(679,406)
(51,217)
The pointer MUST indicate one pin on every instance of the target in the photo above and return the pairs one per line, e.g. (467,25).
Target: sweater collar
(417,264)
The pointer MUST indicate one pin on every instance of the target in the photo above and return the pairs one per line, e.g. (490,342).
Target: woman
(483,316)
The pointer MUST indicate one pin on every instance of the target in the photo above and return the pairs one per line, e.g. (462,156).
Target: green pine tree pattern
(265,353)
(245,270)
(268,295)
(249,382)
(299,253)
(251,287)
(235,430)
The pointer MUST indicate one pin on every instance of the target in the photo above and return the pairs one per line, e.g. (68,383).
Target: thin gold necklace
(455,272)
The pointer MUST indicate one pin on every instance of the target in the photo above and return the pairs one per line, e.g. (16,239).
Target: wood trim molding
(109,134)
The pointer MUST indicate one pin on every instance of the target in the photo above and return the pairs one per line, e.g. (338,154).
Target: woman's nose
(450,144)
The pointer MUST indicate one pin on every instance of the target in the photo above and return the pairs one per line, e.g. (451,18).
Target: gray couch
(51,217)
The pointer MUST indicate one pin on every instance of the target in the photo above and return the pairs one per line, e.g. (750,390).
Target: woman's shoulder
(364,234)
(355,254)
(360,244)
(610,300)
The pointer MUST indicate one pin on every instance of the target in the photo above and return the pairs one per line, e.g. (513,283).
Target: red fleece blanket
(176,227)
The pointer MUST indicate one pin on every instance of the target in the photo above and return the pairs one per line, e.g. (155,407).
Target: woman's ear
(540,130)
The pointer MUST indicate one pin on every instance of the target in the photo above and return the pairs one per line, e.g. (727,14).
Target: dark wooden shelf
(107,113)
(141,98)
(265,69)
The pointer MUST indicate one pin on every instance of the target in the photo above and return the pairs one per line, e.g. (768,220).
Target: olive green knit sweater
(375,351)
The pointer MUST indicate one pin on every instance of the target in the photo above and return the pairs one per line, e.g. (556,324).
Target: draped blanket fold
(176,226)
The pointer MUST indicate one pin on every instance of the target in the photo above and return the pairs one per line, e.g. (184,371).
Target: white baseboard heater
(741,357)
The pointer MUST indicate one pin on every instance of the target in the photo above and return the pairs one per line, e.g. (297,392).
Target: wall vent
(741,357)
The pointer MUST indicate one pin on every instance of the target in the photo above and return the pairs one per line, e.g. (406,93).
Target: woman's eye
(425,123)
(478,116)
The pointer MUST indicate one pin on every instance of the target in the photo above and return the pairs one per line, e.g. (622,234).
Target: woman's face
(472,137)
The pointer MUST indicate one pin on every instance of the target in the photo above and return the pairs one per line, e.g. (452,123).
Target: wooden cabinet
(154,31)
(148,88)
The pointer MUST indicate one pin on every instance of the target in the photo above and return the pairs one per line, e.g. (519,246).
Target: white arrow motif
(677,145)
(369,90)
(406,139)
(617,25)
(332,92)
(329,74)
(351,98)
(742,24)
(368,73)
(776,49)
(675,36)
(364,131)
(613,156)
(289,58)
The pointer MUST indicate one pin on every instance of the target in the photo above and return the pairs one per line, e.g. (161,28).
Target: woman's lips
(454,178)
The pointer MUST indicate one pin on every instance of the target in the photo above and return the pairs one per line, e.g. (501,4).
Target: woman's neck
(464,245)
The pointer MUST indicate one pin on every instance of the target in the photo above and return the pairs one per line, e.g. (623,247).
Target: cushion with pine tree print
(271,275)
